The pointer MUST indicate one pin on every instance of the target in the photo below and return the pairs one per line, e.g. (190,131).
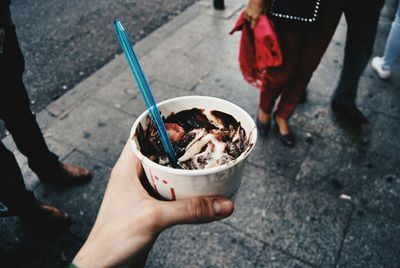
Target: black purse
(295,10)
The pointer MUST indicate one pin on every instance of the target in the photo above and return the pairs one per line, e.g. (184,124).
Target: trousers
(362,17)
(302,50)
(392,48)
(21,123)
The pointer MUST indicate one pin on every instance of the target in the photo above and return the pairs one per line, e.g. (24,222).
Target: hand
(253,11)
(130,220)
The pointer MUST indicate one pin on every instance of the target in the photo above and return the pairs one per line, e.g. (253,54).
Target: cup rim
(193,172)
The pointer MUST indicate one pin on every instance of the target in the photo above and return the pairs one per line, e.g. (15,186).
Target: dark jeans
(21,123)
(362,17)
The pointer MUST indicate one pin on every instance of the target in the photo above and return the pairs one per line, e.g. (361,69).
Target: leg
(314,45)
(21,201)
(16,113)
(279,77)
(362,24)
(12,187)
(267,100)
(392,48)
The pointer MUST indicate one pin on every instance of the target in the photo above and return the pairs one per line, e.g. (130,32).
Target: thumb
(196,210)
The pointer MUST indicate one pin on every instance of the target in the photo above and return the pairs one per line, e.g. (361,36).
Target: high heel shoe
(288,139)
(263,128)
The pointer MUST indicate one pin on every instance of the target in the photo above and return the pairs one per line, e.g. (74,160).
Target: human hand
(130,220)
(253,11)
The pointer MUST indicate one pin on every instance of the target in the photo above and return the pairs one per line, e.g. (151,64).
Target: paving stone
(161,92)
(351,172)
(272,155)
(222,51)
(214,26)
(368,178)
(191,13)
(322,158)
(81,202)
(23,248)
(123,88)
(381,140)
(101,132)
(270,258)
(119,91)
(383,194)
(59,148)
(44,119)
(371,241)
(176,70)
(209,245)
(228,84)
(74,96)
(305,224)
(380,96)
(319,119)
(178,43)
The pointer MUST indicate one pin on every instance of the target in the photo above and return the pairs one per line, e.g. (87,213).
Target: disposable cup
(175,184)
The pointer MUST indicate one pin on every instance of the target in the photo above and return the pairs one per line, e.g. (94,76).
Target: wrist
(86,257)
(106,252)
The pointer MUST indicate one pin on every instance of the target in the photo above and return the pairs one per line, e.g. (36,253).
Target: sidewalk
(289,212)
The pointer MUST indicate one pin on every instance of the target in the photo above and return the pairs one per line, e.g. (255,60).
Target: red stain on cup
(158,187)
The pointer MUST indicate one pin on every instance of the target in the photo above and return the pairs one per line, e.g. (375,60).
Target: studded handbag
(305,11)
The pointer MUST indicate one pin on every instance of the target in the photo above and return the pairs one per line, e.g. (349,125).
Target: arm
(130,220)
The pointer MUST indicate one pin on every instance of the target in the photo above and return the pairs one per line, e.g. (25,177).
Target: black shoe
(68,174)
(263,128)
(288,139)
(349,113)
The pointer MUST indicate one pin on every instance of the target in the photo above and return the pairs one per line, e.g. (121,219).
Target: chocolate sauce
(225,119)
(190,119)
(223,129)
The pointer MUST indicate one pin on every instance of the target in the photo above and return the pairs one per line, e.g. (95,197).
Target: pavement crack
(345,231)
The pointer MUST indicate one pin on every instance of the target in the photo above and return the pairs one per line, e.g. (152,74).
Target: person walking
(383,65)
(362,17)
(21,123)
(304,30)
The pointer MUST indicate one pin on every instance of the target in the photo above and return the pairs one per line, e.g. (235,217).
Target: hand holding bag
(259,49)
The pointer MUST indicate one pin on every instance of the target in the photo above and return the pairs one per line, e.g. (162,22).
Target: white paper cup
(222,180)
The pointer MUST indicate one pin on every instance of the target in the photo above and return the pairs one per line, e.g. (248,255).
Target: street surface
(64,42)
(332,201)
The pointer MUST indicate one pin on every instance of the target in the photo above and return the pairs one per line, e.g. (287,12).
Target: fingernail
(217,207)
(222,207)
